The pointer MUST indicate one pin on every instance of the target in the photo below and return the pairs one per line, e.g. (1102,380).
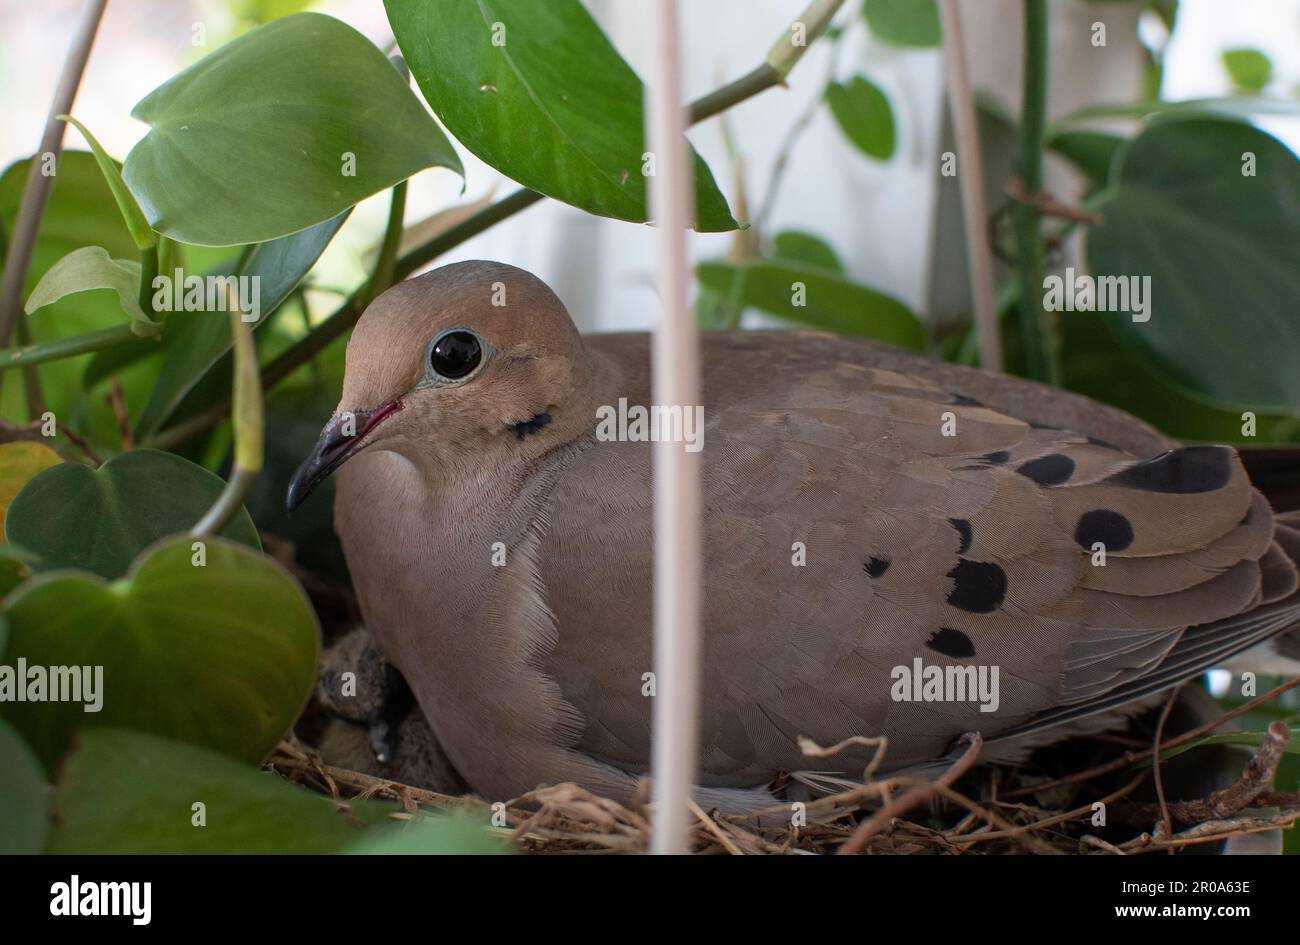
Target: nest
(1106,795)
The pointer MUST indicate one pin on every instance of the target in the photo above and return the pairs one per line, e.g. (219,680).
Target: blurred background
(895,223)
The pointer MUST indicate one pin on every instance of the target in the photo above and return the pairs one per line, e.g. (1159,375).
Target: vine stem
(36,193)
(1041,360)
(782,58)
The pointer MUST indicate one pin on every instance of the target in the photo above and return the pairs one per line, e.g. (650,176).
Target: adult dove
(869,515)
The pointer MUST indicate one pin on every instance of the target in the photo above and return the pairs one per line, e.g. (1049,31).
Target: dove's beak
(340,439)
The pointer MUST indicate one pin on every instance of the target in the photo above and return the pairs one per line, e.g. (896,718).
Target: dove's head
(443,366)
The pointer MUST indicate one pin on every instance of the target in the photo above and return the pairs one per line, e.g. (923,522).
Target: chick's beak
(340,439)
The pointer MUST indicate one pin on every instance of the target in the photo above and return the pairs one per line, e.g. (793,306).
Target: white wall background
(880,217)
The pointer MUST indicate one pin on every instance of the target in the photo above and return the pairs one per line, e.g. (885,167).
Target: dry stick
(979,256)
(1130,757)
(1253,784)
(37,191)
(909,799)
(769,74)
(1166,827)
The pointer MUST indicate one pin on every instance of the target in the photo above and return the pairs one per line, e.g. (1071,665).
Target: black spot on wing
(952,643)
(1050,470)
(977,586)
(531,425)
(1182,471)
(961,400)
(1104,444)
(964,530)
(997,457)
(1102,525)
(876,566)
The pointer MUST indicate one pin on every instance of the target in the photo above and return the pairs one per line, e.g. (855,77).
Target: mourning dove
(869,514)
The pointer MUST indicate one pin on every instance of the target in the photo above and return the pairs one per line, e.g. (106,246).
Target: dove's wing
(866,509)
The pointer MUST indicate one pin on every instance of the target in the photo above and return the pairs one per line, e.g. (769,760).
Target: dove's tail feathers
(1201,647)
(1274,471)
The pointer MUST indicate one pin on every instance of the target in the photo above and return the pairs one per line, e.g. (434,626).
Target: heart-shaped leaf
(815,296)
(194,342)
(92,268)
(1209,210)
(24,796)
(864,115)
(537,91)
(1250,69)
(73,516)
(208,642)
(283,128)
(126,792)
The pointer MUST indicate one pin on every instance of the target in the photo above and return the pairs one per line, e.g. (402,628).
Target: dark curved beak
(340,439)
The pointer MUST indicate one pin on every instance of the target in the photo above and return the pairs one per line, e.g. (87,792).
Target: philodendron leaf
(92,268)
(193,342)
(537,91)
(1207,210)
(24,796)
(211,643)
(73,516)
(816,296)
(283,128)
(863,113)
(904,22)
(132,215)
(126,792)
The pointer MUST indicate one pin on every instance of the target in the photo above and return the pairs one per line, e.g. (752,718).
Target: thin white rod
(675,378)
(961,101)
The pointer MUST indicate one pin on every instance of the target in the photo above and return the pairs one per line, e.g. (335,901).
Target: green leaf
(1222,250)
(126,792)
(194,342)
(24,796)
(803,247)
(904,22)
(432,834)
(1247,739)
(863,113)
(831,302)
(1249,69)
(1092,152)
(100,520)
(252,142)
(221,655)
(1235,106)
(92,268)
(537,91)
(20,461)
(132,215)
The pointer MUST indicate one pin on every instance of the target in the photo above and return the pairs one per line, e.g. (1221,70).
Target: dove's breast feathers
(865,508)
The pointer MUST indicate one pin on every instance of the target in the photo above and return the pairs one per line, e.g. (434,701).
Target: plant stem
(770,73)
(386,264)
(1041,361)
(36,193)
(66,347)
(249,432)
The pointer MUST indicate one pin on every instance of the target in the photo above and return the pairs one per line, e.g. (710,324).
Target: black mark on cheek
(532,425)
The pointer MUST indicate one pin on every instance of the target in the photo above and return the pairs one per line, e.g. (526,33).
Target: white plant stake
(675,381)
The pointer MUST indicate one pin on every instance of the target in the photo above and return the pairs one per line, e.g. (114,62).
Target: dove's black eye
(455,354)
